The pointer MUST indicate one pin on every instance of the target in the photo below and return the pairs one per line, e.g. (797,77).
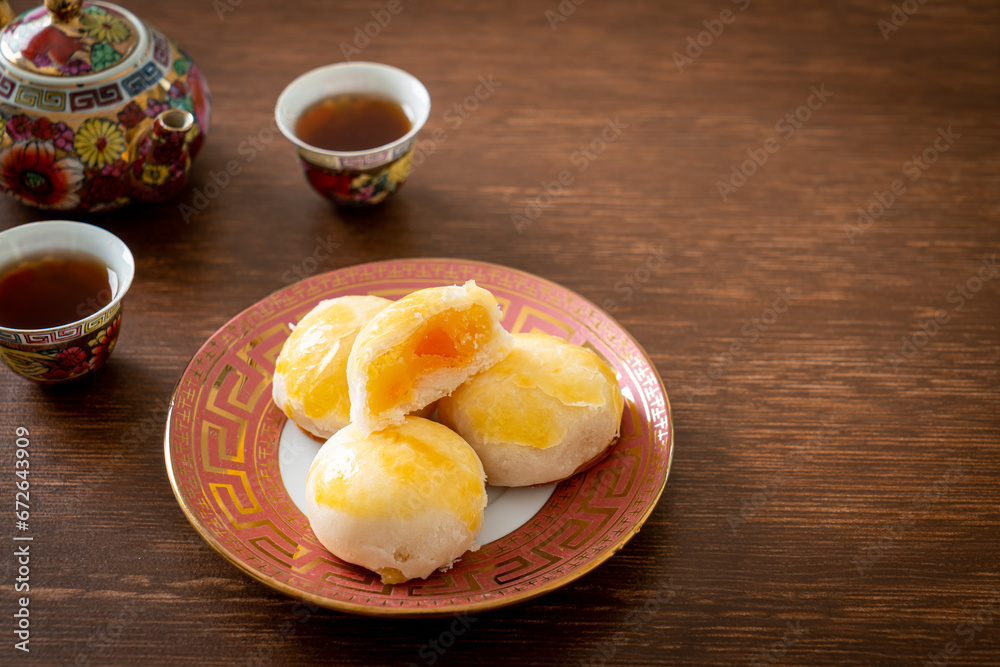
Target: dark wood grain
(793,457)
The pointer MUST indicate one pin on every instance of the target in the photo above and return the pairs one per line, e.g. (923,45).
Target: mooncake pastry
(421,348)
(550,409)
(310,378)
(403,501)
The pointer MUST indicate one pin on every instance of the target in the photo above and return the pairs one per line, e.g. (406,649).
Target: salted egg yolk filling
(400,476)
(448,339)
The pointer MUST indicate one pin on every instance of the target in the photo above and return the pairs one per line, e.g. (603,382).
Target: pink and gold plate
(222,453)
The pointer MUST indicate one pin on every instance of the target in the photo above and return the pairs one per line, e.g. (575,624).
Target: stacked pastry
(402,495)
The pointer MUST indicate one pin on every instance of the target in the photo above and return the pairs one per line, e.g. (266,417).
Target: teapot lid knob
(71,38)
(64,10)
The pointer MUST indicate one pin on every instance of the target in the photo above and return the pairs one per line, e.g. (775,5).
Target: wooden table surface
(834,497)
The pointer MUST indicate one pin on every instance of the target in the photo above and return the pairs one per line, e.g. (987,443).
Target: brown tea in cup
(44,292)
(352,122)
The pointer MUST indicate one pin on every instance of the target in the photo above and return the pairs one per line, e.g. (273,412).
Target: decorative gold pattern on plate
(223,431)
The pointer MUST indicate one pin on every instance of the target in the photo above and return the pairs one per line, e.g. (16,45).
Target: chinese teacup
(80,345)
(355,178)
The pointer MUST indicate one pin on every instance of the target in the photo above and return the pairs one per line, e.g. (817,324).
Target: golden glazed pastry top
(408,313)
(313,360)
(528,397)
(400,472)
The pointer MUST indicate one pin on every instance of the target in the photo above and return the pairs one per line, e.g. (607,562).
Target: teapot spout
(163,157)
(6,13)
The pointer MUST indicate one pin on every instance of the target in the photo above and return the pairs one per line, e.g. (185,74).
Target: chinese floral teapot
(97,108)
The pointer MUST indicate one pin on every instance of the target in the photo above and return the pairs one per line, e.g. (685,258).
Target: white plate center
(507,509)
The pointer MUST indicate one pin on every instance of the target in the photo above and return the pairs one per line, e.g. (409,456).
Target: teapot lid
(70,38)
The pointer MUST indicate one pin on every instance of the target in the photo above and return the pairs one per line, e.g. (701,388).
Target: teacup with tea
(61,290)
(355,125)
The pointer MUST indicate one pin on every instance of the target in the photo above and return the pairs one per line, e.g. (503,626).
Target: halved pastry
(547,411)
(421,348)
(403,501)
(310,377)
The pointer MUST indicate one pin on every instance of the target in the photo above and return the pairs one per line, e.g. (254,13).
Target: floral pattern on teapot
(85,147)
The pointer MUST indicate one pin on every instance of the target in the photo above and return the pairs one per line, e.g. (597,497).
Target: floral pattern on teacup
(60,364)
(359,188)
